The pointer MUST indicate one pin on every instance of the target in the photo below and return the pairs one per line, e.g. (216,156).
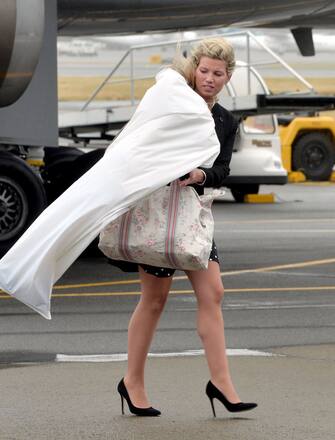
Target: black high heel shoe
(214,393)
(143,412)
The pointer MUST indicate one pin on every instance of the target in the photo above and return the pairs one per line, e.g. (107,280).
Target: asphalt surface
(79,401)
(277,262)
(278,269)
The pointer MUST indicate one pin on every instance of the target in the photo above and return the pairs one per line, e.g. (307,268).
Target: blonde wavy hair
(217,48)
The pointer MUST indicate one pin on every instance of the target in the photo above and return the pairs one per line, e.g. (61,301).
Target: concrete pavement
(295,393)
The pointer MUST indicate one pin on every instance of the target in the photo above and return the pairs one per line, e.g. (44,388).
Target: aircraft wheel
(22,199)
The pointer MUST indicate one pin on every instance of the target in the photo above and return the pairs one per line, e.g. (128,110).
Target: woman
(207,70)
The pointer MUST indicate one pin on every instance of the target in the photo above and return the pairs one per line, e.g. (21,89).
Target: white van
(256,158)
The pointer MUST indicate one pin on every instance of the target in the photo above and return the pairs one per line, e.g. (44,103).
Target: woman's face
(210,76)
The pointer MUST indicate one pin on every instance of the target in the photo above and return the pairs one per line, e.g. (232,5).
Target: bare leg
(209,291)
(141,329)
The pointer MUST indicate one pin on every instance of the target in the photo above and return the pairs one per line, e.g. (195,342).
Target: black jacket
(225,126)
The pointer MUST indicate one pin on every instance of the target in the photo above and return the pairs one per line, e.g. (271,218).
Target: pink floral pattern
(147,231)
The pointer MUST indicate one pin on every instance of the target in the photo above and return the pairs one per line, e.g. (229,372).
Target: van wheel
(239,191)
(313,154)
(22,199)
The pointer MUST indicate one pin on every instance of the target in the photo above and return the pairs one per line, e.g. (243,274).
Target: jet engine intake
(22,26)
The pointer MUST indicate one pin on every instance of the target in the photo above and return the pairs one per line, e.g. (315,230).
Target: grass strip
(80,88)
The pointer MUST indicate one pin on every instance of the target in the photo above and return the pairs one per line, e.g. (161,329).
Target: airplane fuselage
(84,17)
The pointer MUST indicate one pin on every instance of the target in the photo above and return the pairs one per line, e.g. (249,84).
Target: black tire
(239,191)
(22,199)
(313,154)
(80,166)
(58,165)
(53,176)
(61,170)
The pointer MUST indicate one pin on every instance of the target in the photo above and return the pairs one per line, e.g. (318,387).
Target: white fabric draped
(171,133)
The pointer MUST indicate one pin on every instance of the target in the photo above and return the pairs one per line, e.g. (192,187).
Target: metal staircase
(97,120)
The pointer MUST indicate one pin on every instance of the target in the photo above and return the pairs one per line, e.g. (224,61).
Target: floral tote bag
(173,227)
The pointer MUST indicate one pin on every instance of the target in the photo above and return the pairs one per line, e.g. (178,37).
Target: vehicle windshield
(259,124)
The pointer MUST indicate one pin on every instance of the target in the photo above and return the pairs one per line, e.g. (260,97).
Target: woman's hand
(195,176)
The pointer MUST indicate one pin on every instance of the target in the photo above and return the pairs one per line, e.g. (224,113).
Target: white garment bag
(171,133)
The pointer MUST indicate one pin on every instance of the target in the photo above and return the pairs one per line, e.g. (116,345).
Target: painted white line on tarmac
(123,356)
(275,220)
(276,231)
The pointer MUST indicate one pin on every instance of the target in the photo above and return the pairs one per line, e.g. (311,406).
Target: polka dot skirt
(163,272)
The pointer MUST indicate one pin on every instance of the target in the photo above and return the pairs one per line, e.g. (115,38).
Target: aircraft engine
(22,26)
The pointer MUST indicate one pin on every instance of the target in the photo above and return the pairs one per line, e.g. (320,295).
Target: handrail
(97,90)
(283,63)
(249,35)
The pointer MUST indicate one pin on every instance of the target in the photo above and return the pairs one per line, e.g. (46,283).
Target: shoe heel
(213,409)
(122,405)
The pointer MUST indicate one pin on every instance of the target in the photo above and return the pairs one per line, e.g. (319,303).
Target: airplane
(87,17)
(79,17)
(279,40)
(78,47)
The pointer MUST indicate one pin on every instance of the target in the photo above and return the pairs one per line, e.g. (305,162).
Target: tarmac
(294,389)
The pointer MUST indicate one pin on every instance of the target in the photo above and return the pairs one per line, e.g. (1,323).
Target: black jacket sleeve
(226,126)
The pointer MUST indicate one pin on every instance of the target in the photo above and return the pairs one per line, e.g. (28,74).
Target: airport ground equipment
(308,145)
(34,169)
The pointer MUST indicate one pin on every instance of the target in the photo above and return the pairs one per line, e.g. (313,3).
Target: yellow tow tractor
(308,145)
